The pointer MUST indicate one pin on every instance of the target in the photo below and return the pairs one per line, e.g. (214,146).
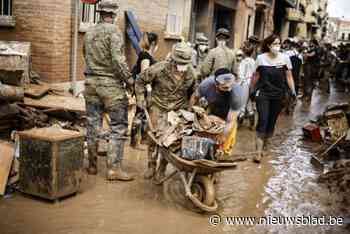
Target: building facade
(301,18)
(338,30)
(56,29)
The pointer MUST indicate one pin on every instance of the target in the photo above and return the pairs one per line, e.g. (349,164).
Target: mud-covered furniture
(51,161)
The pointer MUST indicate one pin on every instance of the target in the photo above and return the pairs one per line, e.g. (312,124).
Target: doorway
(223,18)
(259,23)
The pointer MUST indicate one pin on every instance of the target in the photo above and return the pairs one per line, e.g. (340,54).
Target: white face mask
(275,49)
(181,68)
(203,48)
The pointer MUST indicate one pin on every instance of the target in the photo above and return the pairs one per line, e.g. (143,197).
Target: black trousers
(310,77)
(268,112)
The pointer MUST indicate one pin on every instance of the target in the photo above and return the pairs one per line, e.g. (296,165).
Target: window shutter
(175,15)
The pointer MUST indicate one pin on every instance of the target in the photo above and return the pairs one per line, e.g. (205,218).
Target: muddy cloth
(168,91)
(220,103)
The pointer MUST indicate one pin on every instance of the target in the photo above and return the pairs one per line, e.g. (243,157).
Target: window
(175,16)
(343,36)
(6,7)
(6,18)
(88,15)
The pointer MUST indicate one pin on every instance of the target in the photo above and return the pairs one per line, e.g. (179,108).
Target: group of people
(227,81)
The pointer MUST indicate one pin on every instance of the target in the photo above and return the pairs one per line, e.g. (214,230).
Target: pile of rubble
(26,103)
(332,128)
(191,135)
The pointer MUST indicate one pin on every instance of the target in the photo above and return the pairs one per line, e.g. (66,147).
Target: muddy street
(284,184)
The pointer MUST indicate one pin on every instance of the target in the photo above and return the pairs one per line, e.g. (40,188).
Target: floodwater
(283,185)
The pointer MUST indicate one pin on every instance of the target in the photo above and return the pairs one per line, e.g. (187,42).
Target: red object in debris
(312,131)
(90,1)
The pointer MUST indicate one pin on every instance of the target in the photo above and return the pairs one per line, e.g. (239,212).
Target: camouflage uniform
(168,93)
(106,76)
(219,57)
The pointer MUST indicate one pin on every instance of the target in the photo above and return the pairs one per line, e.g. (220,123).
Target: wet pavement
(284,184)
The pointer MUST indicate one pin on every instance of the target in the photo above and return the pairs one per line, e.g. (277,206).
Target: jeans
(268,111)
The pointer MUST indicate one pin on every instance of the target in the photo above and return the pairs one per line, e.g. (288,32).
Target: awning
(292,3)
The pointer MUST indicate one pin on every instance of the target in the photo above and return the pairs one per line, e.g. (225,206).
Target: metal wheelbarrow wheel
(203,194)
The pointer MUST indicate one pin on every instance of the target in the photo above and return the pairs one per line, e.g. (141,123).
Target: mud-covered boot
(115,156)
(259,149)
(117,173)
(92,169)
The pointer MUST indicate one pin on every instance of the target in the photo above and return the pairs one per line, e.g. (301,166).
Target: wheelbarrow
(197,176)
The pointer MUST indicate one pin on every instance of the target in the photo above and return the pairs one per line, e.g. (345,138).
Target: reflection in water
(294,190)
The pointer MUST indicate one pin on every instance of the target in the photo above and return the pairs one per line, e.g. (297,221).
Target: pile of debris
(25,102)
(332,128)
(191,135)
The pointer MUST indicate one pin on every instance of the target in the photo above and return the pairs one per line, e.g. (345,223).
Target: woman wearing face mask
(171,80)
(273,78)
(149,46)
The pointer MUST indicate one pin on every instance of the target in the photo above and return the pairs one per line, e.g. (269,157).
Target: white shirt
(246,69)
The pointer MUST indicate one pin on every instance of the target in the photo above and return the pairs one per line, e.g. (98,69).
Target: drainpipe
(75,47)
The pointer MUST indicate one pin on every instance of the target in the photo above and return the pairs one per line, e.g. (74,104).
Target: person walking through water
(273,79)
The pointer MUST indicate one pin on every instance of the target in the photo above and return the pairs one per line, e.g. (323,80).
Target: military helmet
(181,53)
(202,40)
(223,32)
(110,6)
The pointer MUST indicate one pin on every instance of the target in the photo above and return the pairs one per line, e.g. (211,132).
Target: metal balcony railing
(6,7)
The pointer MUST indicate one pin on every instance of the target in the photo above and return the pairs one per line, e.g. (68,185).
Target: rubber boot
(259,149)
(266,142)
(92,169)
(152,164)
(114,156)
(117,173)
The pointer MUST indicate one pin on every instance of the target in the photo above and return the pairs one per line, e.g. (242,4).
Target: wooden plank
(6,157)
(57,102)
(36,91)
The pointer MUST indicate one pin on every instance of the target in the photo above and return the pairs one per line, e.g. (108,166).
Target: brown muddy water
(284,184)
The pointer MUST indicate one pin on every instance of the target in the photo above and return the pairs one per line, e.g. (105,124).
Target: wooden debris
(36,91)
(6,157)
(57,102)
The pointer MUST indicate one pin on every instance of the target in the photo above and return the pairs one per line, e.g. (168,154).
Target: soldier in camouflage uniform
(171,81)
(219,57)
(201,50)
(107,74)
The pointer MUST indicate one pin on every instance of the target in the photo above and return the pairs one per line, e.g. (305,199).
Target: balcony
(310,19)
(294,15)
